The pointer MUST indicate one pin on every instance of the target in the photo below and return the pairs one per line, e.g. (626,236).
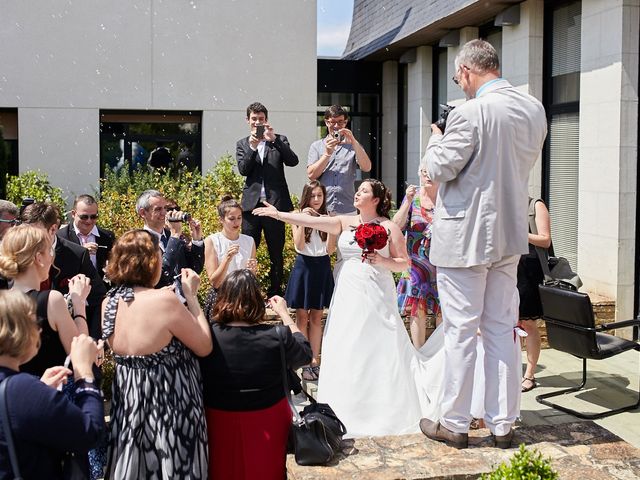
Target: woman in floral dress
(417,289)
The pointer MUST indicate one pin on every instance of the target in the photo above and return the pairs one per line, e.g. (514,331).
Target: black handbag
(316,432)
(557,270)
(13,458)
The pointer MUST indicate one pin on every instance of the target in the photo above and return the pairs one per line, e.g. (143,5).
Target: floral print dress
(417,286)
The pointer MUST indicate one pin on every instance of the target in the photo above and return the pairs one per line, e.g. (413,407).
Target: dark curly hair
(239,298)
(134,259)
(382,193)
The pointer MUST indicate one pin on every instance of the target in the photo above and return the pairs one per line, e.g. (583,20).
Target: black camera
(25,203)
(184,218)
(442,121)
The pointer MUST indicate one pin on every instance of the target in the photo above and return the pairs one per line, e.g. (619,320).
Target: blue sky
(334,22)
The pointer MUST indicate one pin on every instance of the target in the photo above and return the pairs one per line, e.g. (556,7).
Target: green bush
(524,465)
(197,194)
(34,184)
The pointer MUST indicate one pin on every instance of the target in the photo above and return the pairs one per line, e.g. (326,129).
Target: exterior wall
(522,64)
(64,62)
(420,99)
(609,149)
(389,174)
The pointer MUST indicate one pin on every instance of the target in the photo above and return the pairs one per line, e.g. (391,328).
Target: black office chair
(571,328)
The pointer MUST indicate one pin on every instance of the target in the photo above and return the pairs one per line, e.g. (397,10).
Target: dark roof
(384,29)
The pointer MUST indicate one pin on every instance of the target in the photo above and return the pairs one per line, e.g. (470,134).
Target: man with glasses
(70,260)
(85,232)
(167,226)
(480,230)
(333,161)
(8,214)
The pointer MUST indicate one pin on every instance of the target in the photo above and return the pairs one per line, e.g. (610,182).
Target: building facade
(88,84)
(580,58)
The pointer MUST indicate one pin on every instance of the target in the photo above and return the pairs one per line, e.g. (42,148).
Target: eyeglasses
(455,78)
(337,123)
(14,221)
(85,217)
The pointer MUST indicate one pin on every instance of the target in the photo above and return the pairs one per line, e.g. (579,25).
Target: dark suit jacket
(72,259)
(105,239)
(177,256)
(271,171)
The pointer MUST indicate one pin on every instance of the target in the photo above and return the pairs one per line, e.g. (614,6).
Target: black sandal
(308,374)
(534,384)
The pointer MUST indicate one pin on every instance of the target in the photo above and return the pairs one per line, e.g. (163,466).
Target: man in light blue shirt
(333,161)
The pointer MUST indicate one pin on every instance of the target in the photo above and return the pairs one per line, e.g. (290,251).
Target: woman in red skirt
(248,416)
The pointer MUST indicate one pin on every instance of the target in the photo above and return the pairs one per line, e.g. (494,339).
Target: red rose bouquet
(371,237)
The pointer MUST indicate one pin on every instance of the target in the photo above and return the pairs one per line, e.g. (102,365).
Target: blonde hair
(19,247)
(18,327)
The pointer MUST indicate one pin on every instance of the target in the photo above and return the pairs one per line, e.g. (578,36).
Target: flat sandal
(534,384)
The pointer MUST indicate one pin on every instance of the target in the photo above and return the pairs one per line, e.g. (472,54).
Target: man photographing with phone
(333,161)
(261,159)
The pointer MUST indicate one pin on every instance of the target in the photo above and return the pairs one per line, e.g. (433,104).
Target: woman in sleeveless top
(417,288)
(157,419)
(310,284)
(228,250)
(26,255)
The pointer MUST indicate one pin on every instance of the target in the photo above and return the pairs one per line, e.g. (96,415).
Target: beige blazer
(482,163)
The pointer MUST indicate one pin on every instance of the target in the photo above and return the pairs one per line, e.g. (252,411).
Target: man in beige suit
(480,230)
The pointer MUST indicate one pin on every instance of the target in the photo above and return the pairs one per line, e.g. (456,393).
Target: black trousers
(274,236)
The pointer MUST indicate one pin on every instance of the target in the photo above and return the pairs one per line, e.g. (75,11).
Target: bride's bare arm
(398,261)
(332,225)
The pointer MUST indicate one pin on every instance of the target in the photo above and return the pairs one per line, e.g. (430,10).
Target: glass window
(155,139)
(9,126)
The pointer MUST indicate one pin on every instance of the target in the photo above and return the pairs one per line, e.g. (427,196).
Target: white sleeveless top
(240,259)
(316,247)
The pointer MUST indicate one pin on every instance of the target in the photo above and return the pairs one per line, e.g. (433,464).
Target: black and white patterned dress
(158,428)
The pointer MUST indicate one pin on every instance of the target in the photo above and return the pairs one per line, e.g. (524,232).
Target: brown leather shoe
(503,441)
(437,432)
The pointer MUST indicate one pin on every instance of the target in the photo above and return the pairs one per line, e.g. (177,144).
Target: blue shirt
(339,177)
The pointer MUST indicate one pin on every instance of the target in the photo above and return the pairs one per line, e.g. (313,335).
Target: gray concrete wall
(63,62)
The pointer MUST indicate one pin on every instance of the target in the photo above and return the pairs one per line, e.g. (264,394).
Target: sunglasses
(15,221)
(173,209)
(85,217)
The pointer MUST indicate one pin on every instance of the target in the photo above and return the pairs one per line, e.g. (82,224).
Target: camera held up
(183,217)
(442,121)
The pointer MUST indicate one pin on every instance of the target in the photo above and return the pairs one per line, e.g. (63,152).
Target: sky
(334,23)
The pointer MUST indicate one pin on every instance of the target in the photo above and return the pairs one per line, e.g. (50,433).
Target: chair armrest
(623,324)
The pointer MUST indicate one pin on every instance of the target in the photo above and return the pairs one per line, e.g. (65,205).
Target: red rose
(371,237)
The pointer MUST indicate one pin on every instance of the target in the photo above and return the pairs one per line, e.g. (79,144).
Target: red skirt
(248,445)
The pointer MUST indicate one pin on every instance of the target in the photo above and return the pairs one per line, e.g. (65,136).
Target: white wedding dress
(371,374)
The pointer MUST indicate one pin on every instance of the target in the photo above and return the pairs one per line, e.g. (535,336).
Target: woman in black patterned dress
(157,419)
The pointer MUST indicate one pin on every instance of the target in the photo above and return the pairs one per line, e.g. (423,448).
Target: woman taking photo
(310,285)
(248,415)
(157,420)
(417,288)
(228,250)
(43,422)
(26,255)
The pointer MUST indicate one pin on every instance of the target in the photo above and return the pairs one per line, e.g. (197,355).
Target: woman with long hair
(248,415)
(26,255)
(157,419)
(310,284)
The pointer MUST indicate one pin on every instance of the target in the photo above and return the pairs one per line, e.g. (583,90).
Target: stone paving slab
(579,450)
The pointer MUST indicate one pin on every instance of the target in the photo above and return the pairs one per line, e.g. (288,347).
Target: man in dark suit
(84,231)
(177,252)
(261,159)
(70,260)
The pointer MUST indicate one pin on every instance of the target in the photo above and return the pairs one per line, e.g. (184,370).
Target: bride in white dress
(371,374)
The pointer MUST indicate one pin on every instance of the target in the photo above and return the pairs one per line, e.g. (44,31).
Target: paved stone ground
(581,451)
